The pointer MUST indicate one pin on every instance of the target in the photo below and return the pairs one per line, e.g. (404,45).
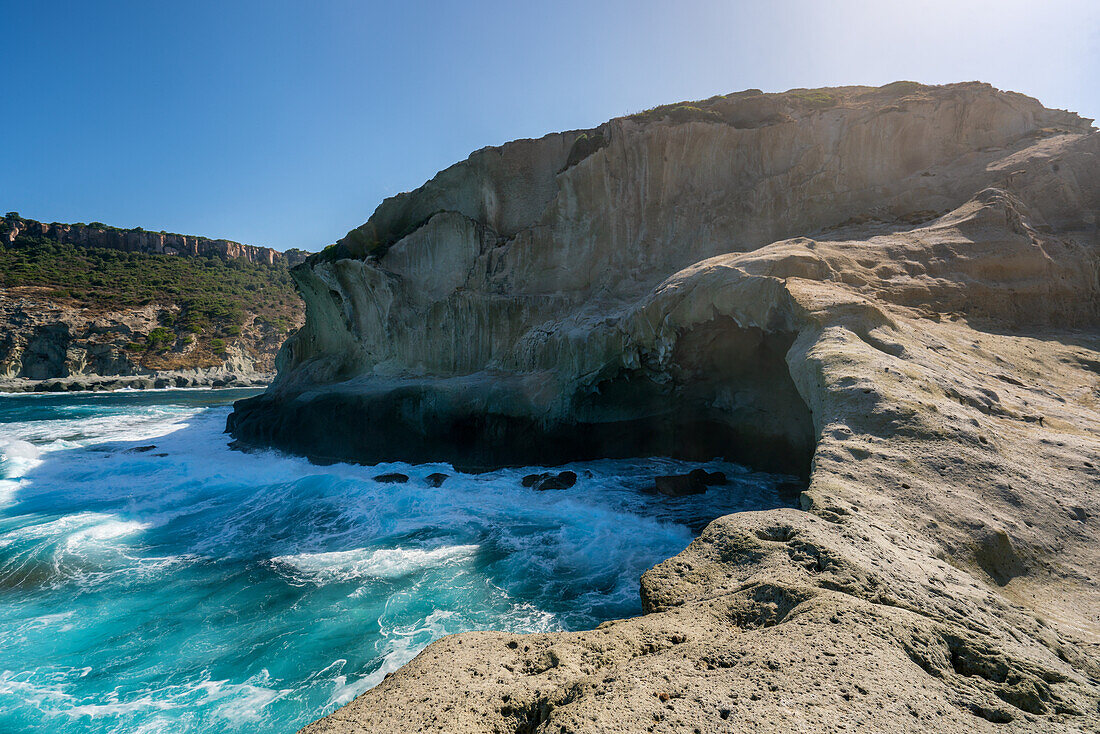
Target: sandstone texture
(894,292)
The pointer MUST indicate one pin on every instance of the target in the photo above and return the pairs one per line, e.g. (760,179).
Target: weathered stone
(880,290)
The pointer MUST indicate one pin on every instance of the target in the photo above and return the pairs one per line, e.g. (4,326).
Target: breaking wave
(153,580)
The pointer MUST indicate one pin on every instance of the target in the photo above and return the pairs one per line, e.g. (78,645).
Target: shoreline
(176,380)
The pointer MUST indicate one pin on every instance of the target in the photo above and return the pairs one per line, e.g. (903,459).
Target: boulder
(561,480)
(679,485)
(549,480)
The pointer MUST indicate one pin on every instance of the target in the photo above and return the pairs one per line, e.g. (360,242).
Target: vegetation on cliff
(205,303)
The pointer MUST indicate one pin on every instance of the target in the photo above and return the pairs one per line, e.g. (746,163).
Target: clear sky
(284,123)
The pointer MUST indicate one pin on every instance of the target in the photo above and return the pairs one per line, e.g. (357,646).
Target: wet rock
(141,449)
(680,485)
(436,479)
(532,479)
(392,478)
(549,480)
(708,479)
(561,480)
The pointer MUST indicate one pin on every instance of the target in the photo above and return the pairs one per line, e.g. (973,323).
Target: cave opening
(726,392)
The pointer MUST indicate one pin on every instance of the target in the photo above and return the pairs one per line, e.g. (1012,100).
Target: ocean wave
(52,694)
(361,563)
(153,571)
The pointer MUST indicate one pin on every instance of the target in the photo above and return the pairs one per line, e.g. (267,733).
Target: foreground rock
(901,284)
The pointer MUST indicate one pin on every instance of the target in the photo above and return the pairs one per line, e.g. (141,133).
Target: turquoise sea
(153,580)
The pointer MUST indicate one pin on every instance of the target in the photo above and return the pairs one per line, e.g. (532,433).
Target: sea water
(154,580)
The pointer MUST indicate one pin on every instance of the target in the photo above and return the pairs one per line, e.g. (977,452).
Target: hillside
(79,302)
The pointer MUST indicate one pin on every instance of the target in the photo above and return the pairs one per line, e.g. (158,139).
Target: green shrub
(159,336)
(900,88)
(682,112)
(817,98)
(210,294)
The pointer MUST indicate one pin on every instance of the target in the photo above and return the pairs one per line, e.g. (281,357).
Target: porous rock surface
(895,291)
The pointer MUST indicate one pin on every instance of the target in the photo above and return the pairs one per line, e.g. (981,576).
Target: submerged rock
(709,479)
(678,485)
(561,480)
(694,482)
(436,479)
(549,480)
(392,478)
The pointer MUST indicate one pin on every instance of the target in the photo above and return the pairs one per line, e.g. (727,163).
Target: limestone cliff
(894,291)
(53,345)
(96,307)
(140,240)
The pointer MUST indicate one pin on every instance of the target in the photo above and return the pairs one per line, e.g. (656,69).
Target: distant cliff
(139,240)
(95,307)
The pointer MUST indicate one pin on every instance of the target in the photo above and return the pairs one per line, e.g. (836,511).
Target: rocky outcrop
(139,240)
(894,291)
(47,344)
(96,332)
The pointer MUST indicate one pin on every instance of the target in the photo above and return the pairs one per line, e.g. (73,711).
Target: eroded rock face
(139,240)
(894,291)
(48,344)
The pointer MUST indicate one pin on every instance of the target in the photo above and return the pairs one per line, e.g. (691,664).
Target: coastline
(924,324)
(168,380)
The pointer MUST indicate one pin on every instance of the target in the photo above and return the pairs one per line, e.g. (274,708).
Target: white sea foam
(78,530)
(17,458)
(386,563)
(249,550)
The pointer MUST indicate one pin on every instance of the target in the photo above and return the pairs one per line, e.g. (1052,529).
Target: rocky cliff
(893,291)
(12,227)
(94,307)
(50,345)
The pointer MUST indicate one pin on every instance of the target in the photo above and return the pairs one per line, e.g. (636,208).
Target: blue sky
(285,123)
